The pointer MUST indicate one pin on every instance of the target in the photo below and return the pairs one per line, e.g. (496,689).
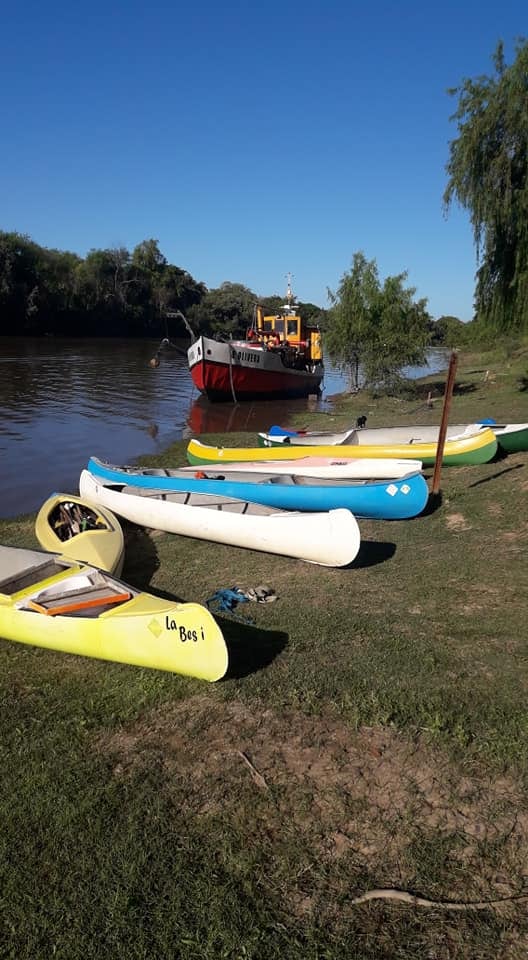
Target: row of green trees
(115,292)
(109,292)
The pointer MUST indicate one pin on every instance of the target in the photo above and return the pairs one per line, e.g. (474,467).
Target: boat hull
(514,441)
(330,538)
(242,370)
(397,499)
(477,448)
(58,528)
(329,468)
(144,631)
(511,438)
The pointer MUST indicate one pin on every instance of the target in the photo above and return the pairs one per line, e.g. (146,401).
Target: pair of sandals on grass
(227,600)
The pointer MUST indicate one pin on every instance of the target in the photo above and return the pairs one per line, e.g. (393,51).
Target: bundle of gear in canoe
(70,519)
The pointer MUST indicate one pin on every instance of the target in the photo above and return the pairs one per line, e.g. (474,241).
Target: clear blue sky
(250,139)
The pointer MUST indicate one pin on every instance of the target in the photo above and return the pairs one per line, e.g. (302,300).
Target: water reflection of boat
(205,417)
(279,357)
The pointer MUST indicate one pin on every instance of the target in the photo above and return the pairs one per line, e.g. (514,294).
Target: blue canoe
(396,499)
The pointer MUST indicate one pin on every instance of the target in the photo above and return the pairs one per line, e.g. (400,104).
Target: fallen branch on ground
(403,896)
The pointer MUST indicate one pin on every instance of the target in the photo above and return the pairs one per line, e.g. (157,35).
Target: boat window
(293,328)
(279,325)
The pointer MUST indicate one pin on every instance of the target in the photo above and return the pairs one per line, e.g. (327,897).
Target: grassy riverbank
(383,711)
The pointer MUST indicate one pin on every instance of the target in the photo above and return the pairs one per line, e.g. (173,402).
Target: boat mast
(290,306)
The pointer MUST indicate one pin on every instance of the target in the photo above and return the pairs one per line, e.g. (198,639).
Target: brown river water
(62,401)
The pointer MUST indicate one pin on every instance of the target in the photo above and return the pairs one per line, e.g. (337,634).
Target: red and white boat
(280,357)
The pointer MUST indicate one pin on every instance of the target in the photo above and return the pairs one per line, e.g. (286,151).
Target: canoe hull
(330,539)
(145,631)
(512,438)
(328,468)
(101,543)
(477,448)
(397,499)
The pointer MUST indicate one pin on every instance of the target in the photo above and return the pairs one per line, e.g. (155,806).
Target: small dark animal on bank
(360,422)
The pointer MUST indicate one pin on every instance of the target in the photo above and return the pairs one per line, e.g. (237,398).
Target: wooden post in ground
(450,382)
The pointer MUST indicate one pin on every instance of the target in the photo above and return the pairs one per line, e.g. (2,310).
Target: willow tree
(488,175)
(378,326)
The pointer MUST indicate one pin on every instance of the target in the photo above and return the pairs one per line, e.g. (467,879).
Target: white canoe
(327,468)
(376,436)
(331,538)
(511,437)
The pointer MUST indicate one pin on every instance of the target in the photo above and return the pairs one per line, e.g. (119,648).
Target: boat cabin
(287,330)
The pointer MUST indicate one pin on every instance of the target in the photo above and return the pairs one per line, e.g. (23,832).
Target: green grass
(384,706)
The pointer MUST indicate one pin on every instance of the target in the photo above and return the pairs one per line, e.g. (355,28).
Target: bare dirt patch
(369,795)
(511,536)
(456,521)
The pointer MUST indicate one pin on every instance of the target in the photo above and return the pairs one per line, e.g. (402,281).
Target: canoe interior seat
(82,595)
(31,575)
(211,501)
(78,602)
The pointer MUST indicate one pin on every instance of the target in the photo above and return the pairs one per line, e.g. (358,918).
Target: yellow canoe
(478,447)
(74,527)
(48,600)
